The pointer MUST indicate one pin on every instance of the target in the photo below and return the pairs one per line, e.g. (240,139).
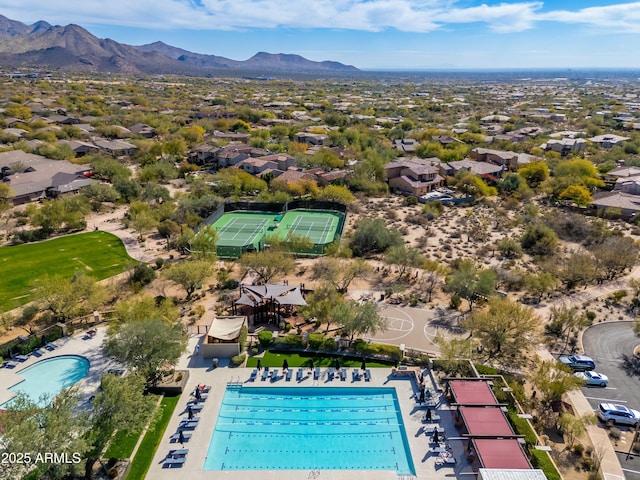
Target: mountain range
(72,48)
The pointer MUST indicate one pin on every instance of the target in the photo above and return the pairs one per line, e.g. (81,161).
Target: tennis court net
(242,229)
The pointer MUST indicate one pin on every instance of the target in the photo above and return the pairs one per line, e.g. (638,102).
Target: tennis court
(245,231)
(318,226)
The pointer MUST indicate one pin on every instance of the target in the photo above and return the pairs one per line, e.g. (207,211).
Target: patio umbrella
(285,365)
(364,364)
(311,366)
(337,364)
(259,367)
(422,395)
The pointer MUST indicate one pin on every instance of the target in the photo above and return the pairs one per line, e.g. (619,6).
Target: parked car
(612,413)
(594,379)
(578,363)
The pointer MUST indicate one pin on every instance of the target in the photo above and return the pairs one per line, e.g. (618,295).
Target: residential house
(565,146)
(294,176)
(256,166)
(488,171)
(116,148)
(406,146)
(627,204)
(235,137)
(143,129)
(33,177)
(80,148)
(506,159)
(446,140)
(609,140)
(413,176)
(335,177)
(311,138)
(282,160)
(206,154)
(621,173)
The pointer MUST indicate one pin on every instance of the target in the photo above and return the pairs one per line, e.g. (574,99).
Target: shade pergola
(489,421)
(467,392)
(225,329)
(501,453)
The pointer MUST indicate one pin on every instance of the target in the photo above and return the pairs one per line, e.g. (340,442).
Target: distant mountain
(73,48)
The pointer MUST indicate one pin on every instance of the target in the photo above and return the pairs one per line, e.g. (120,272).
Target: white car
(611,413)
(593,379)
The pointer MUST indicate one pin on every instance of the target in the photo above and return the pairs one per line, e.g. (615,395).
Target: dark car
(578,363)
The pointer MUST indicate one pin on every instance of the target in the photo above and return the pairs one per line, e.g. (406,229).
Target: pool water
(45,379)
(302,428)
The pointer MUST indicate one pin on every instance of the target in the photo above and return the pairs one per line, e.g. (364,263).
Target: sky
(368,34)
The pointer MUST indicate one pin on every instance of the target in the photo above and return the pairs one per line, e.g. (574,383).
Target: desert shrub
(237,360)
(265,338)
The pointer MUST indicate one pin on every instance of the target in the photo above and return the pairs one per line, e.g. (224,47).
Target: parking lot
(611,346)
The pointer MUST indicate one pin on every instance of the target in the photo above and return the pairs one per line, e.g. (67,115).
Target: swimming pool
(300,428)
(50,376)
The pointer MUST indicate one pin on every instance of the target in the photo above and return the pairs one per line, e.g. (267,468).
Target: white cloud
(622,17)
(364,15)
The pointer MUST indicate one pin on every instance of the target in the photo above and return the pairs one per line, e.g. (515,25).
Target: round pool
(45,379)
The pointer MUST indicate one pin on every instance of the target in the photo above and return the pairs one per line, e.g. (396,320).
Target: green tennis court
(320,227)
(245,231)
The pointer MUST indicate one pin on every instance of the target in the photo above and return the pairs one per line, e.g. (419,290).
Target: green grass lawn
(99,254)
(149,445)
(122,445)
(274,360)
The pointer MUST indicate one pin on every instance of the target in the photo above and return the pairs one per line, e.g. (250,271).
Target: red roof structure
(472,392)
(490,422)
(501,453)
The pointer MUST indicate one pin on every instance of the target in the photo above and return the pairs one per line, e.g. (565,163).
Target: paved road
(609,344)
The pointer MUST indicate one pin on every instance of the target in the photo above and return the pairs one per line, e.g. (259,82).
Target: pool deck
(424,459)
(79,344)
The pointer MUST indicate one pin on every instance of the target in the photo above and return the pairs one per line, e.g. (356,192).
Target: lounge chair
(50,346)
(38,352)
(205,388)
(187,425)
(173,462)
(178,453)
(253,375)
(194,419)
(367,375)
(343,374)
(434,418)
(265,374)
(194,408)
(196,401)
(288,376)
(444,462)
(274,375)
(21,358)
(331,373)
(299,375)
(430,430)
(176,436)
(10,364)
(316,373)
(355,376)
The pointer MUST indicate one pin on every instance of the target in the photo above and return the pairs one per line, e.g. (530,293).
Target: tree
(267,264)
(615,255)
(576,194)
(534,173)
(66,298)
(147,345)
(574,427)
(340,272)
(321,302)
(552,380)
(336,193)
(203,245)
(141,307)
(373,236)
(403,257)
(577,269)
(564,321)
(537,284)
(120,405)
(359,318)
(505,328)
(469,283)
(509,248)
(29,428)
(539,239)
(190,275)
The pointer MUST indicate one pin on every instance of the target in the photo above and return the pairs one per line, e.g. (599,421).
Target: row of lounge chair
(272,375)
(176,458)
(17,359)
